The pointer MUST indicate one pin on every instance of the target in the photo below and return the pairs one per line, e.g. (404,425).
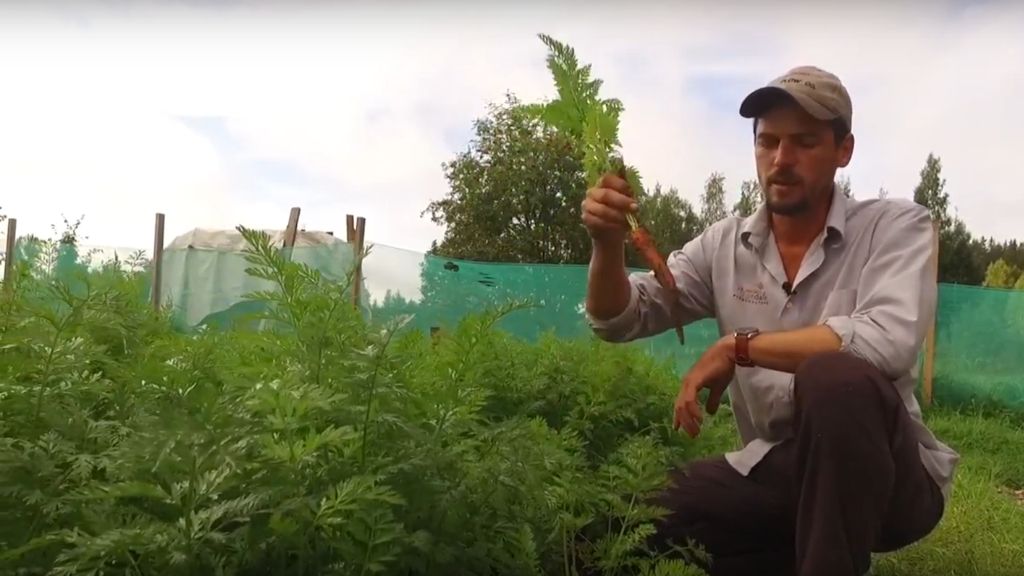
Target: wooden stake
(292,231)
(12,243)
(158,261)
(350,229)
(929,358)
(360,236)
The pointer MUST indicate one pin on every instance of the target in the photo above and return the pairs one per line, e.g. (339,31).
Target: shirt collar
(755,230)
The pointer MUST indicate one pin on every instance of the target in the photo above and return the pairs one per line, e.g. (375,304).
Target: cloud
(363,100)
(115,171)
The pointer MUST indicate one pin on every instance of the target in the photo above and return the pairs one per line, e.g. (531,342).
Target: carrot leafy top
(580,113)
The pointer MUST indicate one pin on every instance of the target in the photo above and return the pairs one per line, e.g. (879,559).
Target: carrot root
(644,244)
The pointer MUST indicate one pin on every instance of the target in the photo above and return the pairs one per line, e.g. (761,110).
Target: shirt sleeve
(896,296)
(649,310)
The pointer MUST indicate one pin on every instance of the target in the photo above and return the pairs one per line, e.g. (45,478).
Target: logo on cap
(791,80)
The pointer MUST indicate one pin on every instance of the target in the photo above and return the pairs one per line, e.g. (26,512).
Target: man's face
(797,158)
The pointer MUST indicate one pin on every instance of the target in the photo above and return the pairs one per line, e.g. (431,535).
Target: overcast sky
(221,113)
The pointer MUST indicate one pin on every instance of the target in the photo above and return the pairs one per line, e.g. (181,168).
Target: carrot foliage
(582,113)
(318,444)
(593,122)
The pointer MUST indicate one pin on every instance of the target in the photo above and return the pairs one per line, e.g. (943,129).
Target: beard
(796,201)
(788,207)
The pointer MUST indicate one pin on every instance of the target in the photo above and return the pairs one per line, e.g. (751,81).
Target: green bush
(318,444)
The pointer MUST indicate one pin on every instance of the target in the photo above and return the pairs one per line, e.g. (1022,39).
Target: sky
(222,113)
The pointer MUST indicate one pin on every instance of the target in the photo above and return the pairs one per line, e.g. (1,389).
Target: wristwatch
(743,337)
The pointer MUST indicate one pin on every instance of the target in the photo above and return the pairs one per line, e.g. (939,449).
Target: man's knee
(691,488)
(835,383)
(724,512)
(694,502)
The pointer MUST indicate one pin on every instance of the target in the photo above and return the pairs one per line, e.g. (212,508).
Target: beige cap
(818,92)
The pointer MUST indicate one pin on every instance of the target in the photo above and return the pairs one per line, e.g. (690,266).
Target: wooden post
(929,358)
(293,228)
(350,229)
(12,243)
(357,279)
(158,261)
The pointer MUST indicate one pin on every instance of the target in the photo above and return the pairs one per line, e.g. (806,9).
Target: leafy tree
(956,256)
(988,251)
(671,220)
(514,193)
(1019,284)
(883,193)
(1000,274)
(930,192)
(750,198)
(493,185)
(712,201)
(957,263)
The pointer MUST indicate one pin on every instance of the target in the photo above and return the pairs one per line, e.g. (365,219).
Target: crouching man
(823,303)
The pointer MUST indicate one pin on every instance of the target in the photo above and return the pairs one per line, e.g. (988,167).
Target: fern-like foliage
(313,441)
(580,112)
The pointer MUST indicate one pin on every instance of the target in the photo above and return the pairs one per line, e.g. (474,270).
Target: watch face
(746,331)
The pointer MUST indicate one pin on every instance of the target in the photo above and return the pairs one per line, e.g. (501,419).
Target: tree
(957,262)
(1000,274)
(671,220)
(882,193)
(514,193)
(712,201)
(930,192)
(750,198)
(843,183)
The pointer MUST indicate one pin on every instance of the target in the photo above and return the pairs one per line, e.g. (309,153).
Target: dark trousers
(850,482)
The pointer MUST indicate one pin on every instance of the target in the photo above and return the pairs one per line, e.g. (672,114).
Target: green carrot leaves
(580,112)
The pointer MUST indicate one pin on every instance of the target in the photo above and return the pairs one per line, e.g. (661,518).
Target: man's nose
(785,154)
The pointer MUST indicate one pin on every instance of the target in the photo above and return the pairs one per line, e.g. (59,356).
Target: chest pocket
(840,303)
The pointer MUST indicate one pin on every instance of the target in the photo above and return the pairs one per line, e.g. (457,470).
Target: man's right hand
(604,210)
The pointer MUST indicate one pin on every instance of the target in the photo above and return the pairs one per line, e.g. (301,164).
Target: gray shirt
(868,276)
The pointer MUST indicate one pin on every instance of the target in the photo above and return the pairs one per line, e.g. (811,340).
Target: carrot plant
(319,444)
(582,114)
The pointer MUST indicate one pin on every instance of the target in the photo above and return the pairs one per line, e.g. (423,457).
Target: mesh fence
(979,355)
(979,346)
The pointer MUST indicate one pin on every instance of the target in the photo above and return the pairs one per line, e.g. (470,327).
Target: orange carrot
(644,244)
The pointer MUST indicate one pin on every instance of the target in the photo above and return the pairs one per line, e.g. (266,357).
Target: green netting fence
(979,353)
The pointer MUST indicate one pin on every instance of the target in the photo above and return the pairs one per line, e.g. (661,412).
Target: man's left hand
(714,370)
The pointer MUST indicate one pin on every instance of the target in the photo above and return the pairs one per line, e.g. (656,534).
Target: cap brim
(760,100)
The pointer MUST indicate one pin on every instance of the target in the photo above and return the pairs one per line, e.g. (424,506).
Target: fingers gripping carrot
(644,243)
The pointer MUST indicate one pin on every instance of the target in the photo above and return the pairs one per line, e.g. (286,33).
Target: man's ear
(846,151)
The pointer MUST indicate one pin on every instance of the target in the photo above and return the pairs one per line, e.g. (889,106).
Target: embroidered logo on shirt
(755,294)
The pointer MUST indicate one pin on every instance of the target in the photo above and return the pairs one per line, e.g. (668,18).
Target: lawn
(982,533)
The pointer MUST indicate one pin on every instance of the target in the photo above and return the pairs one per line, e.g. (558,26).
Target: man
(823,303)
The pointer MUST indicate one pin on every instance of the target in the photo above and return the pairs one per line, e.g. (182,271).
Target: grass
(982,533)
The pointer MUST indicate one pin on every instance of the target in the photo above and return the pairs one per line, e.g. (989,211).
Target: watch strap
(743,336)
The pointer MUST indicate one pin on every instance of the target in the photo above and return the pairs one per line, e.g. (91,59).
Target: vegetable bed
(320,445)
